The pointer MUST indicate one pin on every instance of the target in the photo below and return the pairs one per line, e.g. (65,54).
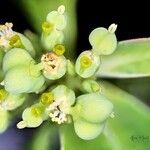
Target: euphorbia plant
(65,92)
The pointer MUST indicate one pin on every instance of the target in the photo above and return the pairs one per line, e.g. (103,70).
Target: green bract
(94,107)
(103,41)
(87,64)
(87,130)
(21,80)
(90,114)
(15,57)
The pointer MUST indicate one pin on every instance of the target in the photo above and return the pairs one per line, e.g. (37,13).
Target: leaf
(45,138)
(131,59)
(36,12)
(127,131)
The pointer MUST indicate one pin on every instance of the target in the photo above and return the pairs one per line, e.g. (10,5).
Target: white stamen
(61,9)
(112,28)
(55,113)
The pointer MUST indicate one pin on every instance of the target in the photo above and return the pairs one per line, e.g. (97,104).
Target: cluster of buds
(54,79)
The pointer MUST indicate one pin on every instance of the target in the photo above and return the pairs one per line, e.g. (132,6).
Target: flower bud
(54,66)
(86,130)
(87,64)
(21,79)
(90,86)
(57,18)
(10,101)
(103,41)
(94,107)
(15,57)
(32,116)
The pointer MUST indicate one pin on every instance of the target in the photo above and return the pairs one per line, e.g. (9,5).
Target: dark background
(132,17)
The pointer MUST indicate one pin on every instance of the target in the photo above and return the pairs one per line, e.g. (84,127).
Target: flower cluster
(64,91)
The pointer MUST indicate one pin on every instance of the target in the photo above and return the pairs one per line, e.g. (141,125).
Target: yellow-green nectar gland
(85,62)
(3,95)
(59,49)
(47,98)
(36,111)
(47,27)
(15,41)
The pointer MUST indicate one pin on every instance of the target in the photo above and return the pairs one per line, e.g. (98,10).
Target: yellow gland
(3,95)
(47,98)
(59,49)
(47,27)
(15,41)
(85,62)
(36,111)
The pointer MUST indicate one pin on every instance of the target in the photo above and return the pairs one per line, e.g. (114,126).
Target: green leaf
(45,138)
(127,131)
(36,11)
(131,59)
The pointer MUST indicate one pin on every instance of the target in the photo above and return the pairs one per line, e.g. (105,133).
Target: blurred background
(133,22)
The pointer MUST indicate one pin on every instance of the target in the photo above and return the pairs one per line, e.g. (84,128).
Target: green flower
(59,110)
(10,39)
(9,101)
(87,64)
(33,116)
(23,79)
(103,41)
(90,114)
(53,28)
(15,57)
(54,66)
